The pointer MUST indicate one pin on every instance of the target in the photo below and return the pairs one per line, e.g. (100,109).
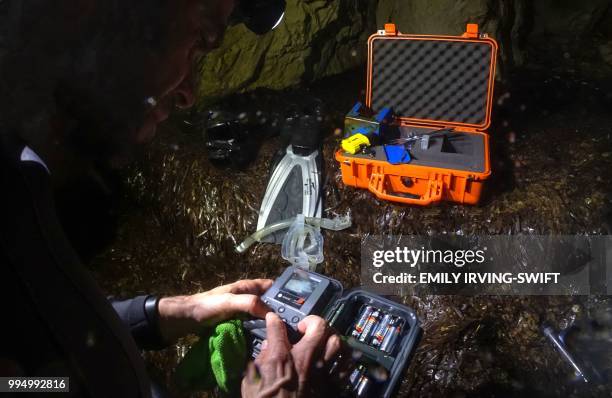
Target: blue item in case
(397,154)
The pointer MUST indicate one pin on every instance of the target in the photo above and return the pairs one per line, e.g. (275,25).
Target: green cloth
(217,359)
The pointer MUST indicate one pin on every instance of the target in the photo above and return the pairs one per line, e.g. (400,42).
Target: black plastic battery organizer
(382,333)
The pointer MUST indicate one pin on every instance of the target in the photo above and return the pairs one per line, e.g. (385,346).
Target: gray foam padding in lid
(432,79)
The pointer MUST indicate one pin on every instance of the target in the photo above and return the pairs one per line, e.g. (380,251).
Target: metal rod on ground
(560,346)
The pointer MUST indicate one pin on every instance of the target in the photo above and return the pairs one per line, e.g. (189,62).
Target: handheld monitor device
(383,334)
(296,294)
(299,293)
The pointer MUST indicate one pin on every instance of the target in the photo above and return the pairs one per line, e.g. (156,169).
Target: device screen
(297,289)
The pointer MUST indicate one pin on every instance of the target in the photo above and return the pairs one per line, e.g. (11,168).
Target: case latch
(471,31)
(390,29)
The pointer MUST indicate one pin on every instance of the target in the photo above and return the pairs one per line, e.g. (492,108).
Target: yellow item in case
(355,142)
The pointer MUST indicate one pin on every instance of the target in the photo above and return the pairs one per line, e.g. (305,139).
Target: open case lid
(433,80)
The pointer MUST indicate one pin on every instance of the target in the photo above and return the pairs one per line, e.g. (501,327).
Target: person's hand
(282,370)
(182,315)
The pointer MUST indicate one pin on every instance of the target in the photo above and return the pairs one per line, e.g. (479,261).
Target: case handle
(432,194)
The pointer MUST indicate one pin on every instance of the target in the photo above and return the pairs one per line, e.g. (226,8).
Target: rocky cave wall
(319,38)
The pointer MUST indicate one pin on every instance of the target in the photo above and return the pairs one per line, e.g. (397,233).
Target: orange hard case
(416,184)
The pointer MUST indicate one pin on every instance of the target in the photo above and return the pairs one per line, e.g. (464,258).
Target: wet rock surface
(552,162)
(325,37)
(316,38)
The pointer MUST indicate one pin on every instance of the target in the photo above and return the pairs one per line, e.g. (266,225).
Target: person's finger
(311,346)
(251,375)
(211,309)
(244,303)
(313,328)
(332,347)
(246,286)
(274,361)
(284,377)
(276,334)
(251,382)
(251,286)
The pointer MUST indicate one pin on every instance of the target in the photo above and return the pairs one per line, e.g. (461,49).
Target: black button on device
(281,309)
(295,319)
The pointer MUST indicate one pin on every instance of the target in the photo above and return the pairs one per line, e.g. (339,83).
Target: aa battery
(381,331)
(363,318)
(395,328)
(355,376)
(359,382)
(371,323)
(364,385)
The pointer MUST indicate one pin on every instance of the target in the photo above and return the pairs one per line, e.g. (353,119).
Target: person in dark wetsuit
(83,83)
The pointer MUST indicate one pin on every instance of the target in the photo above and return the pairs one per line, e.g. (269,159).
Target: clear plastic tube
(336,224)
(303,244)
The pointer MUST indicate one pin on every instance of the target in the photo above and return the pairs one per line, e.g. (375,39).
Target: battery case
(394,362)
